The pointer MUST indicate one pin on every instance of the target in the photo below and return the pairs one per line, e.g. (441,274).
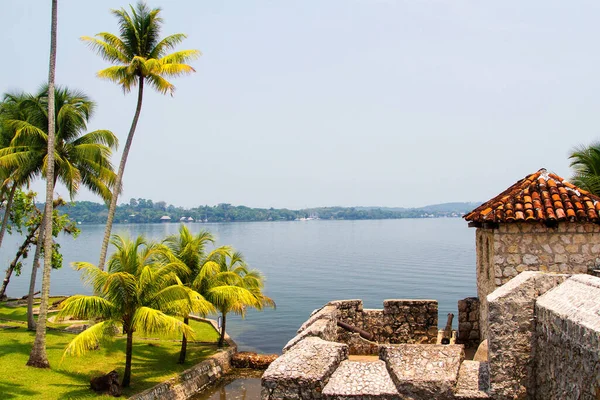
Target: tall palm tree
(233,272)
(141,57)
(81,159)
(38,357)
(586,163)
(137,293)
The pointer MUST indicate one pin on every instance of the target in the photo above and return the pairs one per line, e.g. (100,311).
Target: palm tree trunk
(28,241)
(222,337)
(38,357)
(183,344)
(7,212)
(128,354)
(118,184)
(34,269)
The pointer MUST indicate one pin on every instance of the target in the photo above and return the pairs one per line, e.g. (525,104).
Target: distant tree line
(141,211)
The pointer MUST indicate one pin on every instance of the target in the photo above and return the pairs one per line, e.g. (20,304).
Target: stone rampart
(567,355)
(400,320)
(468,322)
(511,334)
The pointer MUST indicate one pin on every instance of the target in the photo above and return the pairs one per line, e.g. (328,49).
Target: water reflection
(237,386)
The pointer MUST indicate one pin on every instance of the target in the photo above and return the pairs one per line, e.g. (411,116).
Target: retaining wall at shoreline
(193,380)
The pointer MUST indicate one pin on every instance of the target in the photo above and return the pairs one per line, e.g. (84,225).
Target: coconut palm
(586,163)
(141,57)
(81,159)
(137,293)
(233,272)
(191,250)
(38,357)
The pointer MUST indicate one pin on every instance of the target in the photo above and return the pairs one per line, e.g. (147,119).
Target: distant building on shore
(165,218)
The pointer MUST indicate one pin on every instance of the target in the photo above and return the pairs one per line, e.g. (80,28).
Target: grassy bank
(154,360)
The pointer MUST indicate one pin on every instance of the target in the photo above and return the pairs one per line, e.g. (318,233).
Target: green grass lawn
(154,360)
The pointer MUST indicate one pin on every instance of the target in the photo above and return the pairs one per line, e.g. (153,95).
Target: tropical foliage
(585,161)
(233,286)
(140,57)
(139,292)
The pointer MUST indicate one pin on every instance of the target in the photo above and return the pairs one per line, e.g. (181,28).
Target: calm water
(307,264)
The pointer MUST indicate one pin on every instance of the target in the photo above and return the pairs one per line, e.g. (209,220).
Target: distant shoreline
(142,211)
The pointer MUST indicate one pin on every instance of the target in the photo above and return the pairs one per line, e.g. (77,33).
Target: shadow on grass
(16,391)
(152,363)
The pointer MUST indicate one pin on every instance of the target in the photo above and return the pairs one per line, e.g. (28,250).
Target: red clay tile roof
(542,197)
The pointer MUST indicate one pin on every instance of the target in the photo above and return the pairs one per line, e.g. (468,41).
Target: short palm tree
(141,57)
(137,293)
(190,250)
(585,160)
(233,273)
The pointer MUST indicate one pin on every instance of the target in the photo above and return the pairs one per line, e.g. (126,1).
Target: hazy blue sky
(307,103)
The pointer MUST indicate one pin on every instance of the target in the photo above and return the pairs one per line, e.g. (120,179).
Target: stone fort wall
(512,248)
(400,320)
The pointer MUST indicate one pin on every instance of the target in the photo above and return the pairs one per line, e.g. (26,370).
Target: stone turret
(541,223)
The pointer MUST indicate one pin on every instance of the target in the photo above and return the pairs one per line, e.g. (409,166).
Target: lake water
(307,264)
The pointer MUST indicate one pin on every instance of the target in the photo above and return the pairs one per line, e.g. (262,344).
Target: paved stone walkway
(364,380)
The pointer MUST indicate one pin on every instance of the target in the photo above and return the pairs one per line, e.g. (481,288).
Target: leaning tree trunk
(183,344)
(222,337)
(22,250)
(11,196)
(118,183)
(128,354)
(38,357)
(34,269)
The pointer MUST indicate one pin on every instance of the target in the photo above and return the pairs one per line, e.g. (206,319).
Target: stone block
(303,371)
(325,329)
(473,381)
(567,354)
(423,371)
(361,380)
(327,312)
(511,333)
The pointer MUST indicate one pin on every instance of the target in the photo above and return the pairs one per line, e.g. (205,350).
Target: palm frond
(90,338)
(150,321)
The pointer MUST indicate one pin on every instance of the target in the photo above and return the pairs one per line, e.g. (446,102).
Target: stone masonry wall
(400,321)
(512,248)
(511,335)
(468,322)
(567,355)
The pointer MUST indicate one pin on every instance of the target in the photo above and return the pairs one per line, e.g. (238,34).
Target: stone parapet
(567,355)
(511,333)
(303,371)
(468,322)
(324,328)
(400,320)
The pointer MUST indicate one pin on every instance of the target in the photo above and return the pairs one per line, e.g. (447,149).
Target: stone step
(427,371)
(303,371)
(473,380)
(366,380)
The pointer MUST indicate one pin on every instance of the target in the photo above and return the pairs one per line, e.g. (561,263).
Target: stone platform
(361,380)
(424,371)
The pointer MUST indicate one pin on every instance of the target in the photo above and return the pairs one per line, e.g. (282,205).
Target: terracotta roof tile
(539,197)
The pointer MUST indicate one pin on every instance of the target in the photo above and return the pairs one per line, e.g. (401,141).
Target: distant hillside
(463,207)
(147,211)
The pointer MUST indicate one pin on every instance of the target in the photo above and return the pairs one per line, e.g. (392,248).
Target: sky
(334,102)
